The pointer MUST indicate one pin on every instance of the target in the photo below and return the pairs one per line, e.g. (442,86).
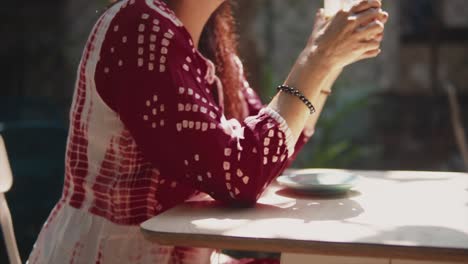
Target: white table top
(393,214)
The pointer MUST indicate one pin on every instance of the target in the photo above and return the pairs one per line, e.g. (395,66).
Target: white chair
(6,180)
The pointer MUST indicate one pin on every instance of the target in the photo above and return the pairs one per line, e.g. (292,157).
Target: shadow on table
(341,207)
(407,177)
(322,196)
(413,233)
(285,205)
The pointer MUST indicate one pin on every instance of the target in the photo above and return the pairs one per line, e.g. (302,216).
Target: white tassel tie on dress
(233,128)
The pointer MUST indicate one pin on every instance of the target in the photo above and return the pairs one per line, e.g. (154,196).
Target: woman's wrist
(328,86)
(293,111)
(321,55)
(309,74)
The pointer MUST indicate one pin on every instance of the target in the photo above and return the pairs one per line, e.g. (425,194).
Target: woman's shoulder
(148,16)
(140,43)
(158,9)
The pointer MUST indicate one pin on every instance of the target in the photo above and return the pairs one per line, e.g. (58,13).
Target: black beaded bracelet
(296,92)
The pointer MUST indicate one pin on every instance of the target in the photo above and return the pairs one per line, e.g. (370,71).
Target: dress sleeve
(169,108)
(254,105)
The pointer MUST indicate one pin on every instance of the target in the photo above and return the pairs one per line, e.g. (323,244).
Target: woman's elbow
(239,198)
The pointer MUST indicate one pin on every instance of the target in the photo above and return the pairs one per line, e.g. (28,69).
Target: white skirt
(71,235)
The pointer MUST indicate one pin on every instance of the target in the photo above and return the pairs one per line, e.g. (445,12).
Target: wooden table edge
(352,249)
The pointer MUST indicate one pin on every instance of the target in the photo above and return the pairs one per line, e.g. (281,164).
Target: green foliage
(331,149)
(268,82)
(104,3)
(342,133)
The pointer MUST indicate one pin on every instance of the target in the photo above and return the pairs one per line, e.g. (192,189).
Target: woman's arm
(151,75)
(343,42)
(322,99)
(321,23)
(165,102)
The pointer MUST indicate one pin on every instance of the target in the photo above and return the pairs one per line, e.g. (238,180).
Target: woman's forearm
(291,108)
(322,99)
(294,111)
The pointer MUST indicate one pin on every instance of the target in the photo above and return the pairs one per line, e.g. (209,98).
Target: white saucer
(321,181)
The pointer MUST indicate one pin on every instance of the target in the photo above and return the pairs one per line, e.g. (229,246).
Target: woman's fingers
(370,54)
(320,23)
(384,17)
(379,37)
(353,35)
(320,13)
(370,30)
(370,45)
(364,5)
(368,16)
(320,19)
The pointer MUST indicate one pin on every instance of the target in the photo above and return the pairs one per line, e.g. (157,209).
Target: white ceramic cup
(331,7)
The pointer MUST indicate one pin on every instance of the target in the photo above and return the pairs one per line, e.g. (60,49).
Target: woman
(154,123)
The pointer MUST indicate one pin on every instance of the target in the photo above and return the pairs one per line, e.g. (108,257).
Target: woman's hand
(336,42)
(349,36)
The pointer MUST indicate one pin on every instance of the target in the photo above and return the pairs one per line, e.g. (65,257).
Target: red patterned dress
(147,133)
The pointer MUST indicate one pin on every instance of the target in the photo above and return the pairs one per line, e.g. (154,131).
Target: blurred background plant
(343,137)
(343,134)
